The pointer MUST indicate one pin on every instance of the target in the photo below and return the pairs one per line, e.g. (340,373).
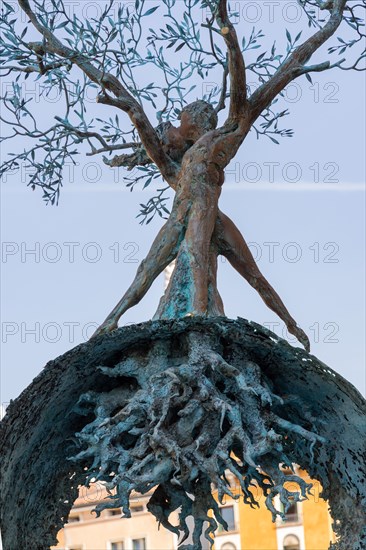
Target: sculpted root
(192,423)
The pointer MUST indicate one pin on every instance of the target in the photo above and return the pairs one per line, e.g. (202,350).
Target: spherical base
(172,406)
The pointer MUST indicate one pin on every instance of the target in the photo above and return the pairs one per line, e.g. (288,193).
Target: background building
(111,532)
(307,525)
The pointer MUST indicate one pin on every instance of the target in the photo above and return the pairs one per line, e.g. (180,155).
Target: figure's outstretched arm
(236,66)
(244,110)
(122,98)
(233,246)
(295,64)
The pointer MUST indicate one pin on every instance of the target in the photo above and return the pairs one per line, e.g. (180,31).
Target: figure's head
(196,119)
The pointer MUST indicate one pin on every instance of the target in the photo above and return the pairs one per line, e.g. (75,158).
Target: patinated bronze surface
(192,159)
(172,405)
(197,231)
(175,403)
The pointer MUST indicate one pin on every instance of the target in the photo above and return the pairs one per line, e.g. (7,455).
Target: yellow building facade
(307,525)
(110,531)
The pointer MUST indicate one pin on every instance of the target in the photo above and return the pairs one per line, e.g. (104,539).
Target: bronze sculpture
(195,156)
(173,404)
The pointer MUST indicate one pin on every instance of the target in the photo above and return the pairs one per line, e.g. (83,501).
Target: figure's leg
(215,303)
(198,237)
(163,251)
(187,292)
(196,246)
(235,249)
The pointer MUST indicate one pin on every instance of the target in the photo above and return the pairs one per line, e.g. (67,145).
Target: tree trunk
(178,298)
(171,405)
(196,232)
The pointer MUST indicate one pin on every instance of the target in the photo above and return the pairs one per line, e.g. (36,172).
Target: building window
(292,513)
(115,512)
(291,542)
(117,545)
(227,513)
(138,544)
(73,519)
(228,546)
(138,508)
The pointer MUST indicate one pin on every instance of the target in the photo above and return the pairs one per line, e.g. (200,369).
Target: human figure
(196,232)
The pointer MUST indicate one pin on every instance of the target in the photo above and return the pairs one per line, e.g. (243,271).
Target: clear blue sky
(300,205)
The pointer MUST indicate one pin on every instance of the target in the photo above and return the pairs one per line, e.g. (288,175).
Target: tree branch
(88,135)
(320,67)
(34,68)
(221,104)
(129,161)
(294,65)
(109,148)
(123,100)
(238,95)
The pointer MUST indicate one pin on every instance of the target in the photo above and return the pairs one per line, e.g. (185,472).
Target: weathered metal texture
(171,405)
(196,231)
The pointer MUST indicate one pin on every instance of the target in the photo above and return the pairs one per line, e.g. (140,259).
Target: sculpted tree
(175,403)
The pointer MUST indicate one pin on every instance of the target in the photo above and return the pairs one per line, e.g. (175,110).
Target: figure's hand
(300,335)
(107,326)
